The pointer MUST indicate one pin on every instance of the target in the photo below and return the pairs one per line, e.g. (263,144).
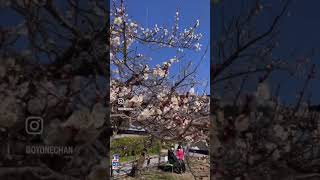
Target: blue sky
(299,33)
(151,12)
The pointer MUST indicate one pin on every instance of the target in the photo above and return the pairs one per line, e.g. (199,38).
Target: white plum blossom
(161,96)
(113,96)
(137,100)
(165,32)
(198,46)
(118,21)
(174,100)
(158,111)
(167,64)
(184,108)
(146,114)
(124,91)
(159,72)
(116,41)
(145,76)
(191,91)
(166,109)
(172,60)
(132,24)
(197,23)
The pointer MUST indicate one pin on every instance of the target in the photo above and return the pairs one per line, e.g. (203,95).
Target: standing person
(172,159)
(171,155)
(180,155)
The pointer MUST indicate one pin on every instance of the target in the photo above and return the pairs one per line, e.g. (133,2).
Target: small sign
(115,162)
(115,165)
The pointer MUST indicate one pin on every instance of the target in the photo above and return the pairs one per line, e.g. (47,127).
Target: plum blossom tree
(160,97)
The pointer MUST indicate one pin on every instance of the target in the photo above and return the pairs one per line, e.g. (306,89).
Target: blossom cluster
(186,39)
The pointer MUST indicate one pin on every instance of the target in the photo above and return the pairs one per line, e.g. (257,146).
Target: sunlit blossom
(118,21)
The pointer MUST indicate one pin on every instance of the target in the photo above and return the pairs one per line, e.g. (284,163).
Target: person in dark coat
(173,160)
(171,156)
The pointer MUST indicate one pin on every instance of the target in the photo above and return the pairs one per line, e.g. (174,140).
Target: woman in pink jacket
(180,156)
(180,153)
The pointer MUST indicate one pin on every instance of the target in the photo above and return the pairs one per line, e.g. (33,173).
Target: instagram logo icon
(34,125)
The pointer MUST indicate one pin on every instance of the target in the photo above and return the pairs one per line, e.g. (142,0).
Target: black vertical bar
(211,134)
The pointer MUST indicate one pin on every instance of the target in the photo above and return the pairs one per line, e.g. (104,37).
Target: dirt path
(199,165)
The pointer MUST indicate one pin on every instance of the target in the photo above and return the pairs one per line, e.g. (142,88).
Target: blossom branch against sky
(160,66)
(179,17)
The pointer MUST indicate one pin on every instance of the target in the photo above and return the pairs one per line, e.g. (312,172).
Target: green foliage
(132,146)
